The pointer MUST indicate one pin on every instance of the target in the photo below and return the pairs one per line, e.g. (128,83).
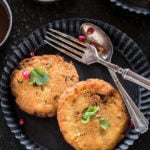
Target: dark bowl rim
(132,9)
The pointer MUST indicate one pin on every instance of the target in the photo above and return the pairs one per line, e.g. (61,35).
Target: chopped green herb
(104,123)
(85,119)
(48,65)
(89,113)
(38,76)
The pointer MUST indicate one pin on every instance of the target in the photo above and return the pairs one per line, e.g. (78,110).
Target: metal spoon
(100,38)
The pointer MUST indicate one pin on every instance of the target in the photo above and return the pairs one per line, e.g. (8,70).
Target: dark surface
(27,16)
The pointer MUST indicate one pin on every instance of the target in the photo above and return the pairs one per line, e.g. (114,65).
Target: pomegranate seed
(90,30)
(32,54)
(82,38)
(131,124)
(93,44)
(26,74)
(21,122)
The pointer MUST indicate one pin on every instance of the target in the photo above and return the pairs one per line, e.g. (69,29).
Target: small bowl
(9,13)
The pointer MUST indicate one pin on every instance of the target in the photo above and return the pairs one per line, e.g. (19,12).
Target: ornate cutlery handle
(91,56)
(140,122)
(127,74)
(134,77)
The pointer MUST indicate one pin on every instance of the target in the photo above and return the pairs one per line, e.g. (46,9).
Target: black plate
(137,6)
(40,133)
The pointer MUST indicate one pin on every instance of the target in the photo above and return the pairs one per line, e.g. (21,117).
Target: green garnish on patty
(104,123)
(89,113)
(38,76)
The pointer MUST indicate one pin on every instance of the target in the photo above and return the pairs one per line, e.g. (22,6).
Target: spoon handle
(126,73)
(134,77)
(140,122)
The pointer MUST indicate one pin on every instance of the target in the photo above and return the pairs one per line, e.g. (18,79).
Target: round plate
(137,6)
(38,133)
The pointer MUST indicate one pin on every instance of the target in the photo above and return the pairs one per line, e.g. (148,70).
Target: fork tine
(64,51)
(61,44)
(69,37)
(66,40)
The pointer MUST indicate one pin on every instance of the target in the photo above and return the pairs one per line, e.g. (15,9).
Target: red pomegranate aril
(131,124)
(93,44)
(26,75)
(32,54)
(21,122)
(90,31)
(82,38)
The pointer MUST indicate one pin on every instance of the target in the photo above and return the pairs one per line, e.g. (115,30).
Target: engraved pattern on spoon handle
(126,73)
(134,77)
(140,122)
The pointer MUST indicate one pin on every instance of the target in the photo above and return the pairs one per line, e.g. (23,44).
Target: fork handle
(127,74)
(134,77)
(140,122)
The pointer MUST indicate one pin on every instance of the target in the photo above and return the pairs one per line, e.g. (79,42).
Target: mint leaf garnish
(104,123)
(38,76)
(89,113)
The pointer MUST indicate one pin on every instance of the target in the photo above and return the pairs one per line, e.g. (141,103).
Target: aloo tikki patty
(38,82)
(92,115)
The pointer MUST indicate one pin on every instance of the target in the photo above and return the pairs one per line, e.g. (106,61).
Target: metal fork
(87,54)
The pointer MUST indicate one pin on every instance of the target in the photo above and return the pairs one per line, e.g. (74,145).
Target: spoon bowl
(98,37)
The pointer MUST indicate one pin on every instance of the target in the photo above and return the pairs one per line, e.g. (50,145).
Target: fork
(87,54)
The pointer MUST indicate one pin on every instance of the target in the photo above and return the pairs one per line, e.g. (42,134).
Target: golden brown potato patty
(42,100)
(91,136)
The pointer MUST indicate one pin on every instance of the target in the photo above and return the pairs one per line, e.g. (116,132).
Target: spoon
(94,34)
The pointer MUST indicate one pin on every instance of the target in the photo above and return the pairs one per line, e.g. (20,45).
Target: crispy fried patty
(42,100)
(91,136)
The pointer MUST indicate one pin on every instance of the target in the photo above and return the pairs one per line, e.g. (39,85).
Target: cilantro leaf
(104,123)
(85,120)
(89,113)
(38,76)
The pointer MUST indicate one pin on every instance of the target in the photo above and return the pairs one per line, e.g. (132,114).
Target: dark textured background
(28,16)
